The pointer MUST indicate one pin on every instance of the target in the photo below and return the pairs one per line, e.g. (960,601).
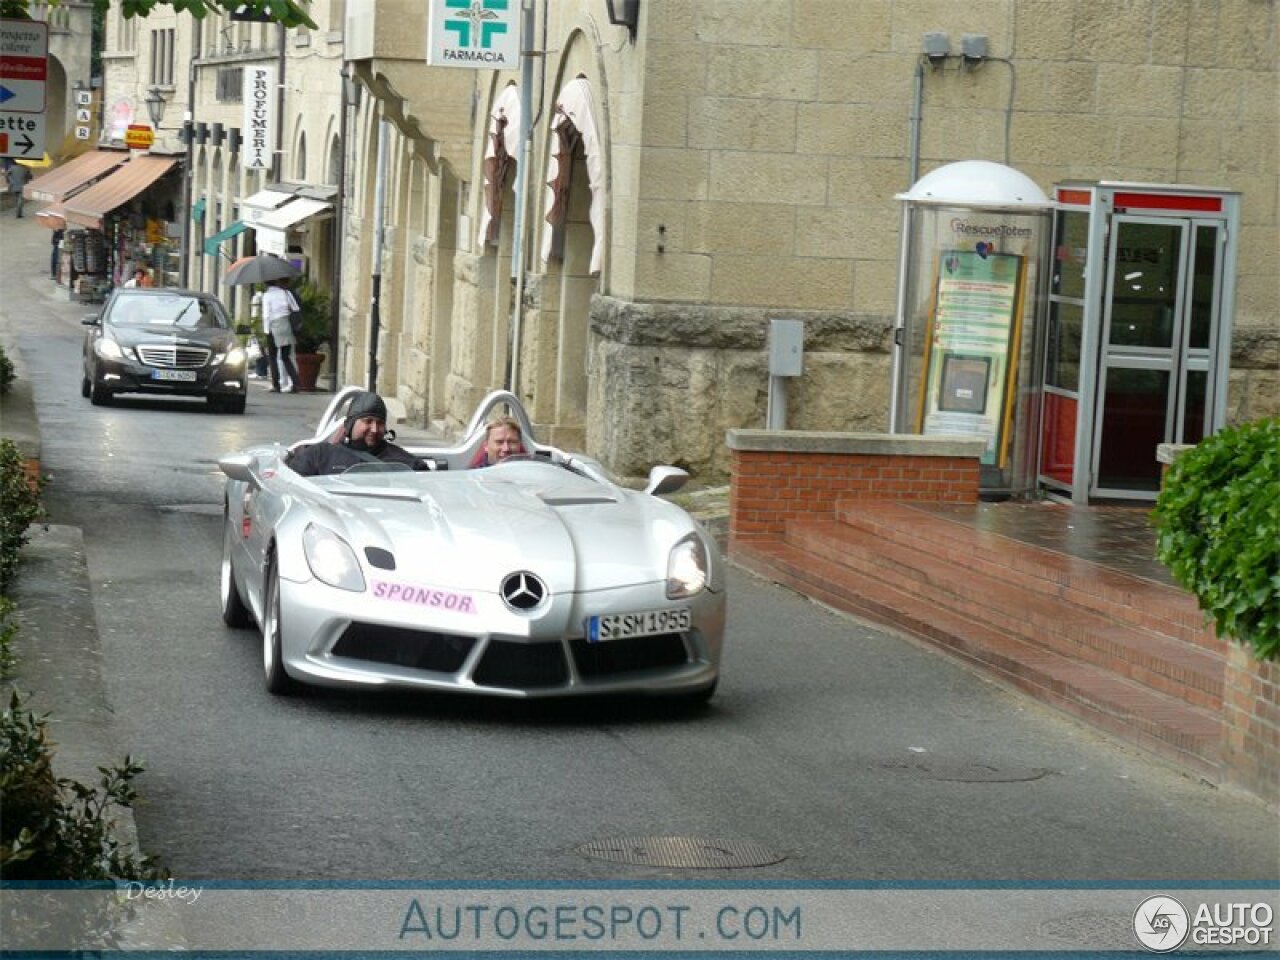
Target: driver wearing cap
(364,439)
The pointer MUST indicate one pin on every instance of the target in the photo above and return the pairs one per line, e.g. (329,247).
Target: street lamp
(624,13)
(155,106)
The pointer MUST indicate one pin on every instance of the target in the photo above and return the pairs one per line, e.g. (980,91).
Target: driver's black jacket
(323,458)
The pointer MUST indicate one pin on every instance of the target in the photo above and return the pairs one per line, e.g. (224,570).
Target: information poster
(972,347)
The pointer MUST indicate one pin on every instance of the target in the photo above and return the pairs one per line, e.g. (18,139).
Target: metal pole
(904,259)
(522,187)
(379,198)
(188,134)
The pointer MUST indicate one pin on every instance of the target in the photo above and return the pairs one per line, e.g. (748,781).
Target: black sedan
(164,341)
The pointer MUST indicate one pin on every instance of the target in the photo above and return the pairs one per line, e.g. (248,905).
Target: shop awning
(51,216)
(90,207)
(61,182)
(256,206)
(293,213)
(213,244)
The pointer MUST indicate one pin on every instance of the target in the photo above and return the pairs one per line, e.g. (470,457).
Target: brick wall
(1251,723)
(769,488)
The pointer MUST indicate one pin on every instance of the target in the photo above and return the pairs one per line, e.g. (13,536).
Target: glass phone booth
(970,316)
(1138,334)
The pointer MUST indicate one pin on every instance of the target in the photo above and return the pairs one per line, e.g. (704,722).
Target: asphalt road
(846,752)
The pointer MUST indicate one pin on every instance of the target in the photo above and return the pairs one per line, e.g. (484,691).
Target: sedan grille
(173,357)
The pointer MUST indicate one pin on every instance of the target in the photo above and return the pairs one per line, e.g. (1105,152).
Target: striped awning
(61,182)
(91,207)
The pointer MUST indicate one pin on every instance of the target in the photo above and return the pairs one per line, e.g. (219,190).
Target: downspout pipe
(522,189)
(338,229)
(896,401)
(277,160)
(188,135)
(375,293)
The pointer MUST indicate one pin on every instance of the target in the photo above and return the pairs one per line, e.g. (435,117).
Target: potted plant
(312,334)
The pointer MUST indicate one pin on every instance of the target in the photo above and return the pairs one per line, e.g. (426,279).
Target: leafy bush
(1218,521)
(19,508)
(55,828)
(313,332)
(6,372)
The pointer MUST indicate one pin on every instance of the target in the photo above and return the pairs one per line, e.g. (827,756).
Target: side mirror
(91,319)
(240,466)
(665,480)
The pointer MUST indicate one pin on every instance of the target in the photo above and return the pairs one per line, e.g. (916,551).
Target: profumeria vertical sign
(480,34)
(259,117)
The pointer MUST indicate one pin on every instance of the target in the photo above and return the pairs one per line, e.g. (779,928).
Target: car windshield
(178,310)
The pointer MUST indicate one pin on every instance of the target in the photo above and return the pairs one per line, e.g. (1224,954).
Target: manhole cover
(694,853)
(964,771)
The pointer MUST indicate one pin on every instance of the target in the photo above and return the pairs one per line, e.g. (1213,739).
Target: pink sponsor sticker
(424,596)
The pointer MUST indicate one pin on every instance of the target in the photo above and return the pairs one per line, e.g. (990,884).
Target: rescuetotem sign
(479,34)
(259,122)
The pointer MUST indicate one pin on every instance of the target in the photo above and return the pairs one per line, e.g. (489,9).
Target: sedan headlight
(235,357)
(108,349)
(331,559)
(687,568)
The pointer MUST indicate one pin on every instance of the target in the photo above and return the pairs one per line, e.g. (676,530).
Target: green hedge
(1218,522)
(19,508)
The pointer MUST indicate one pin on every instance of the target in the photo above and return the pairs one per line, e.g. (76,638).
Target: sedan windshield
(167,310)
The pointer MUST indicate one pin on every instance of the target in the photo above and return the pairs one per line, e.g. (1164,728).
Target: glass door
(1159,328)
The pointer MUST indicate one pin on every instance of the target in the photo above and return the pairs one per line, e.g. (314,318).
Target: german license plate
(187,375)
(648,623)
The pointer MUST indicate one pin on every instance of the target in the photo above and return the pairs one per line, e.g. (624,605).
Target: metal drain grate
(693,853)
(964,772)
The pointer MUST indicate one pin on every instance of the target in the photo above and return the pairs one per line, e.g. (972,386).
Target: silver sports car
(536,577)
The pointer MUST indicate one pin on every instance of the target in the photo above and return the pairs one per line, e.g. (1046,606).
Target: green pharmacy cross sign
(480,34)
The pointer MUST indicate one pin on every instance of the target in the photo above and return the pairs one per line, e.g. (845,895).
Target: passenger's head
(366,421)
(502,438)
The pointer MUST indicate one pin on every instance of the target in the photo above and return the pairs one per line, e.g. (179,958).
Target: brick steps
(1112,593)
(1002,603)
(1012,610)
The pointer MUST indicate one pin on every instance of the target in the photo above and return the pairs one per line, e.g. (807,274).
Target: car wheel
(99,395)
(84,386)
(234,612)
(278,680)
(233,404)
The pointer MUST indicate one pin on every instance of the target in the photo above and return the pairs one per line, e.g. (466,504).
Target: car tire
(234,612)
(84,386)
(234,404)
(277,678)
(99,395)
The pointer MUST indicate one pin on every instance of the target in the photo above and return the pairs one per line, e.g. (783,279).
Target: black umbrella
(263,268)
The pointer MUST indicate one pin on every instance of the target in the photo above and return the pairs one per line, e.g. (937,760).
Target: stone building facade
(741,164)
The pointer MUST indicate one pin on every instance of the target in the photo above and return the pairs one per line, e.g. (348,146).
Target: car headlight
(235,357)
(108,349)
(331,559)
(687,568)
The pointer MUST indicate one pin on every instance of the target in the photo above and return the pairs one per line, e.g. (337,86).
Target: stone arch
(572,245)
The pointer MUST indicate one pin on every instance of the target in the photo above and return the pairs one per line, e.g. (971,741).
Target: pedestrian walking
(17,176)
(277,304)
(56,242)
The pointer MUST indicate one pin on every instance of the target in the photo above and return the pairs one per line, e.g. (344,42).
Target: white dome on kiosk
(978,183)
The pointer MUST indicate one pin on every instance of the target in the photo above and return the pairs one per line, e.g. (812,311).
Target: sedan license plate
(648,623)
(188,375)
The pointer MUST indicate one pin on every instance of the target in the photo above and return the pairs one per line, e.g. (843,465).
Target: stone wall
(667,380)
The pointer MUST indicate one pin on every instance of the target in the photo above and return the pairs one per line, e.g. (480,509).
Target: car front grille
(522,665)
(624,656)
(173,357)
(416,649)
